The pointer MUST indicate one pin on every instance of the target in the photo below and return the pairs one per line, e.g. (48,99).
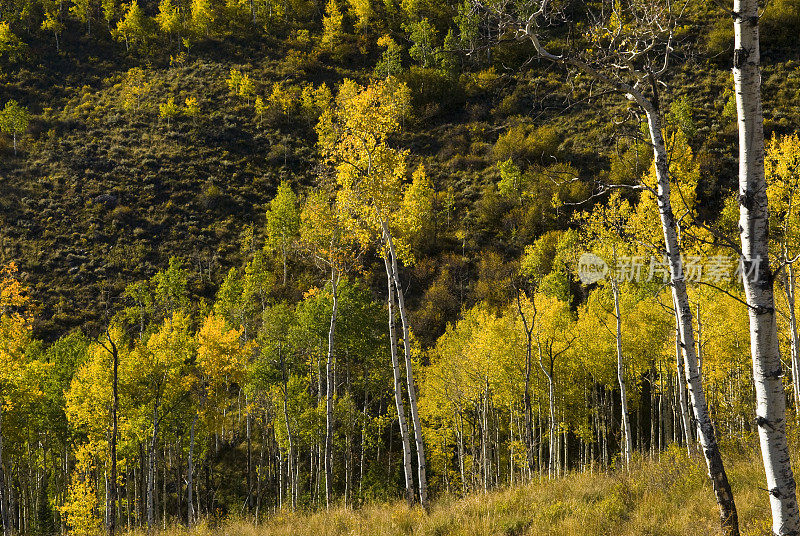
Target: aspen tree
(14,119)
(283,223)
(354,136)
(757,275)
(629,51)
(782,170)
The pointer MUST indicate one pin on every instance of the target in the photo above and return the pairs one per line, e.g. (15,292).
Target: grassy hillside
(670,496)
(100,196)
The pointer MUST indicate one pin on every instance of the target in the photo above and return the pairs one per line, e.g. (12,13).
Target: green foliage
(390,63)
(480,208)
(332,26)
(422,35)
(780,23)
(680,116)
(11,46)
(283,222)
(526,145)
(203,17)
(133,27)
(14,119)
(168,110)
(719,40)
(467,20)
(168,17)
(363,12)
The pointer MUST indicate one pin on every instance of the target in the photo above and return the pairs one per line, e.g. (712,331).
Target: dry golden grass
(668,497)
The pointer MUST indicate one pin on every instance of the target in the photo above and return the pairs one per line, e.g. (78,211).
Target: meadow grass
(670,496)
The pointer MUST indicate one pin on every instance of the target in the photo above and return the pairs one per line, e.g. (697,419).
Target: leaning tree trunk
(398,389)
(757,277)
(410,384)
(623,392)
(329,392)
(716,470)
(705,428)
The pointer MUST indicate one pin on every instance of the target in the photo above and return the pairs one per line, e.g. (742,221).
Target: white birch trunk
(410,383)
(151,471)
(329,392)
(290,437)
(623,392)
(190,513)
(705,428)
(758,285)
(398,389)
(685,421)
(552,443)
(3,497)
(794,340)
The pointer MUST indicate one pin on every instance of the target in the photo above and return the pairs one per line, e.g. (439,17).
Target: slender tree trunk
(699,343)
(795,341)
(410,383)
(363,449)
(687,433)
(112,498)
(757,276)
(190,513)
(398,389)
(151,471)
(260,470)
(249,439)
(527,392)
(329,393)
(705,428)
(289,472)
(3,493)
(623,393)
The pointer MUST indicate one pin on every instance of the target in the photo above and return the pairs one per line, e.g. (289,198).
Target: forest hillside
(305,265)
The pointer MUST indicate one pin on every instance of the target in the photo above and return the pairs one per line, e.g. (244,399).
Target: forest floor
(666,496)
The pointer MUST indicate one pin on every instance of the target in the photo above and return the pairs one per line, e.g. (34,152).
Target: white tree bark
(794,340)
(3,498)
(705,428)
(623,392)
(329,392)
(552,407)
(289,435)
(757,277)
(151,470)
(685,420)
(410,383)
(190,513)
(398,389)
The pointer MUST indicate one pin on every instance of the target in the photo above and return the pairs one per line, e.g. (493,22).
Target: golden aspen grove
(394,267)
